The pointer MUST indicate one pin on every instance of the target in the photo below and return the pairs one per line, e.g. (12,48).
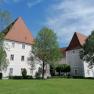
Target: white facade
(17,55)
(78,67)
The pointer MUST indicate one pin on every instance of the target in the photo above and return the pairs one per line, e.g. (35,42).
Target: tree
(3,59)
(59,69)
(5,19)
(38,73)
(63,68)
(66,68)
(52,70)
(87,52)
(46,47)
(31,62)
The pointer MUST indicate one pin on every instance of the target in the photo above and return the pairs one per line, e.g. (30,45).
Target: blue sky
(63,16)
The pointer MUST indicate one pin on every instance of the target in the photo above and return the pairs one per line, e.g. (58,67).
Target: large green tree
(87,52)
(46,47)
(3,60)
(5,19)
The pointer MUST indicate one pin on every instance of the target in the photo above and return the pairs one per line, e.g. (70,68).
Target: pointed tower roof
(77,41)
(18,31)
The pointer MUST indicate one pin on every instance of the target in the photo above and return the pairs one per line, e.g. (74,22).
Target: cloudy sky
(63,16)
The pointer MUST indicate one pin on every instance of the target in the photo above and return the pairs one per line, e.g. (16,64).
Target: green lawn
(52,86)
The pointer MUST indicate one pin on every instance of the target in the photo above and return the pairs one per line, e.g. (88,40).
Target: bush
(15,77)
(24,73)
(39,73)
(78,77)
(52,70)
(63,68)
(0,75)
(20,77)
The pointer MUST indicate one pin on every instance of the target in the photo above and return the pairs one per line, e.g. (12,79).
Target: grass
(51,86)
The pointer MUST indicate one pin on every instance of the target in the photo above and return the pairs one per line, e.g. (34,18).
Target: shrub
(21,77)
(38,73)
(63,68)
(15,77)
(52,70)
(24,73)
(0,75)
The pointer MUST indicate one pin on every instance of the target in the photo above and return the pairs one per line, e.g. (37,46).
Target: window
(12,57)
(10,71)
(73,51)
(13,44)
(23,46)
(76,71)
(22,58)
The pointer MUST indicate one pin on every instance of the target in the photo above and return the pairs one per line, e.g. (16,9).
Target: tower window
(23,46)
(12,57)
(13,44)
(22,58)
(10,71)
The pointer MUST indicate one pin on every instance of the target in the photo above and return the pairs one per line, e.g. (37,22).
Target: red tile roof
(19,32)
(77,41)
(82,38)
(63,51)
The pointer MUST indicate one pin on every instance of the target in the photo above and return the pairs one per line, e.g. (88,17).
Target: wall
(17,64)
(76,64)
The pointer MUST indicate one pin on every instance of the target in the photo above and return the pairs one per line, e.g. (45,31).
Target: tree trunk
(43,70)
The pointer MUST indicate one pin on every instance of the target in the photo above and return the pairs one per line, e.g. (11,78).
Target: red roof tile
(82,38)
(19,32)
(63,50)
(77,41)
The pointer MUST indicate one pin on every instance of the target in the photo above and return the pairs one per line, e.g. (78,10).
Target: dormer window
(23,46)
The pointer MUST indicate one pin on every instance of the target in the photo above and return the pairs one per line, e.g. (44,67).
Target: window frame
(12,57)
(13,44)
(10,71)
(22,58)
(23,46)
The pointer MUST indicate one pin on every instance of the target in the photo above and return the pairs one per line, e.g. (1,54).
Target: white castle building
(18,46)
(78,66)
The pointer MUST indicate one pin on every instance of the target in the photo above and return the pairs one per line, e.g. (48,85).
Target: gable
(77,41)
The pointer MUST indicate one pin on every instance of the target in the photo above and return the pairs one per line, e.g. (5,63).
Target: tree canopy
(5,19)
(63,68)
(87,52)
(46,47)
(3,60)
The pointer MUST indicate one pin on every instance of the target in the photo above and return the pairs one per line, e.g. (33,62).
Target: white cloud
(69,16)
(33,3)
